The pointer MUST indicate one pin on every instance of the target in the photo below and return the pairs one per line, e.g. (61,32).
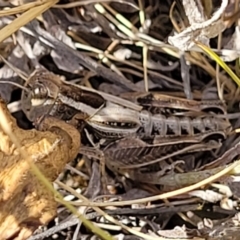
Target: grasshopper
(116,118)
(154,128)
(49,95)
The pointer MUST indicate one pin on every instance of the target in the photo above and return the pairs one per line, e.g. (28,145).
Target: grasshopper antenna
(20,73)
(16,84)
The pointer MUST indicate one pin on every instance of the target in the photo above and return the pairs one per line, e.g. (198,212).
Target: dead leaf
(199,30)
(25,203)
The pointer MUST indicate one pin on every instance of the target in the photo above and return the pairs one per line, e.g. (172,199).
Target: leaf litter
(118,47)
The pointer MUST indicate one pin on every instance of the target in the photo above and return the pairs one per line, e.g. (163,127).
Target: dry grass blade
(20,9)
(112,220)
(231,169)
(25,18)
(220,62)
(81,3)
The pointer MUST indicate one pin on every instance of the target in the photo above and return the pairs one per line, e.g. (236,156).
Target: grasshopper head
(41,95)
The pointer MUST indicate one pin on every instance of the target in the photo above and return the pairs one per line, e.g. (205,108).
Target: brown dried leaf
(25,203)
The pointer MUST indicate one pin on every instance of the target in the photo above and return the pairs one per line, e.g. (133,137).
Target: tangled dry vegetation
(105,69)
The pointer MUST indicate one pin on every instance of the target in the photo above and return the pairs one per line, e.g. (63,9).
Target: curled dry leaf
(199,30)
(25,203)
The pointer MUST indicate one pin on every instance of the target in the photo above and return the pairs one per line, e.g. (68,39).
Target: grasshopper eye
(40,91)
(39,95)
